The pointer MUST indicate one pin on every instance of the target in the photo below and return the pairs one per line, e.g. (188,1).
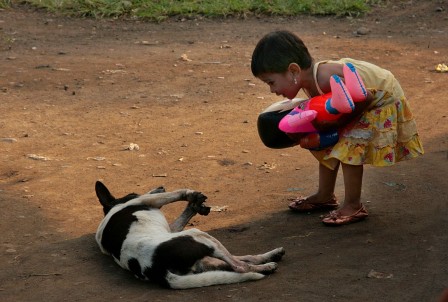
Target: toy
(327,107)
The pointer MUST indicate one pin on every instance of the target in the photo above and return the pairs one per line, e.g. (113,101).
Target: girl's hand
(319,141)
(296,136)
(310,141)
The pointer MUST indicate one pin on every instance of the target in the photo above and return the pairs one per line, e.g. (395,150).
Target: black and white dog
(137,235)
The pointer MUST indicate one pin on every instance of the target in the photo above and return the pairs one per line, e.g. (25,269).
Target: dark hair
(276,50)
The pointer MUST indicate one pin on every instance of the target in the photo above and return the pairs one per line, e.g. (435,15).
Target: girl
(380,131)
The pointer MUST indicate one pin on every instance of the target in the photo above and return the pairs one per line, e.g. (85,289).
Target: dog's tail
(209,278)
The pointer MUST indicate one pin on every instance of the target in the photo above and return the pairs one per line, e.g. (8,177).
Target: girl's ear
(294,68)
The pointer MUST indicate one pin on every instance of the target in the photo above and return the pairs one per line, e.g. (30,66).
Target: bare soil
(75,94)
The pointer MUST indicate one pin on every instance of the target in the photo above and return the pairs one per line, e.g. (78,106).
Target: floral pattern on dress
(382,136)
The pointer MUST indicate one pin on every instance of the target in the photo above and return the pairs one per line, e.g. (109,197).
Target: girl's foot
(345,216)
(312,204)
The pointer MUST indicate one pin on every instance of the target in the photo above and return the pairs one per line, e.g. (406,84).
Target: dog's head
(108,201)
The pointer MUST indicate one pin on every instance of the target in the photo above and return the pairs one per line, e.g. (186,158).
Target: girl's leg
(352,210)
(353,185)
(327,183)
(324,199)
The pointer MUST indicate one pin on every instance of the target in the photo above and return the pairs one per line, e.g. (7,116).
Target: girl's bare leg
(353,185)
(327,183)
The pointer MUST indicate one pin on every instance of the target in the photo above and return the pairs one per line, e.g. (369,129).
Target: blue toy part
(327,139)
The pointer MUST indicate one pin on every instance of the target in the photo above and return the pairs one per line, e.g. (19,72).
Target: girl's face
(281,84)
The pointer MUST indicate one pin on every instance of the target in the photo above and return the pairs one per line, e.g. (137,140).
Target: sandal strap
(335,217)
(301,204)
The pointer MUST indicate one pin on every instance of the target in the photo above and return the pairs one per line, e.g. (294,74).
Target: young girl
(380,131)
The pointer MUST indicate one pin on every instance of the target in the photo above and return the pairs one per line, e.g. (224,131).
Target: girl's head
(280,59)
(277,50)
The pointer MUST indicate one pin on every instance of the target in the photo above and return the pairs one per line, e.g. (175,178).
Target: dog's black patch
(134,266)
(117,228)
(177,255)
(107,208)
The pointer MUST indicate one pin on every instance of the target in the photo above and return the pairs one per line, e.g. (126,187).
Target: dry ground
(75,93)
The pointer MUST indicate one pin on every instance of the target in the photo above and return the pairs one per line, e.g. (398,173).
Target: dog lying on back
(137,235)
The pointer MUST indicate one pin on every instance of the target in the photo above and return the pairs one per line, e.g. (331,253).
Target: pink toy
(327,107)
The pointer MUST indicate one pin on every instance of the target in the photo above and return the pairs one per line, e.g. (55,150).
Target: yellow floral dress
(385,133)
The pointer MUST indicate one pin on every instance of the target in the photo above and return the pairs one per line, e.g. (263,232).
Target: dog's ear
(106,199)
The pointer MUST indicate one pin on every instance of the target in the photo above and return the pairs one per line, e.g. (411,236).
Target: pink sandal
(302,205)
(336,219)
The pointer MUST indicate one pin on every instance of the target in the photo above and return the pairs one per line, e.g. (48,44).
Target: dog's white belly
(150,223)
(144,236)
(142,248)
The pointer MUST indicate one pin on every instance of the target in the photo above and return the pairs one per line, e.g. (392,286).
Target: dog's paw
(202,210)
(195,201)
(195,197)
(277,254)
(268,268)
(157,190)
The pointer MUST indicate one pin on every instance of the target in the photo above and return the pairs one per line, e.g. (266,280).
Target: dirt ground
(76,94)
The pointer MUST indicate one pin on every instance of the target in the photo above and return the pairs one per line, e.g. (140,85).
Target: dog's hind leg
(214,264)
(210,264)
(220,252)
(272,256)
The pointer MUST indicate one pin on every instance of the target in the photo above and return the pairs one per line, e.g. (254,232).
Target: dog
(137,235)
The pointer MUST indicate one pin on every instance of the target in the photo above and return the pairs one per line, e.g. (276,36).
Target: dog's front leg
(181,221)
(195,205)
(160,199)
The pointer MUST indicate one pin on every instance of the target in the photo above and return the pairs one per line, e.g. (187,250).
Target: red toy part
(328,107)
(317,103)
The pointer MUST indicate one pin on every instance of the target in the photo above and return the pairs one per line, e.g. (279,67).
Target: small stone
(362,31)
